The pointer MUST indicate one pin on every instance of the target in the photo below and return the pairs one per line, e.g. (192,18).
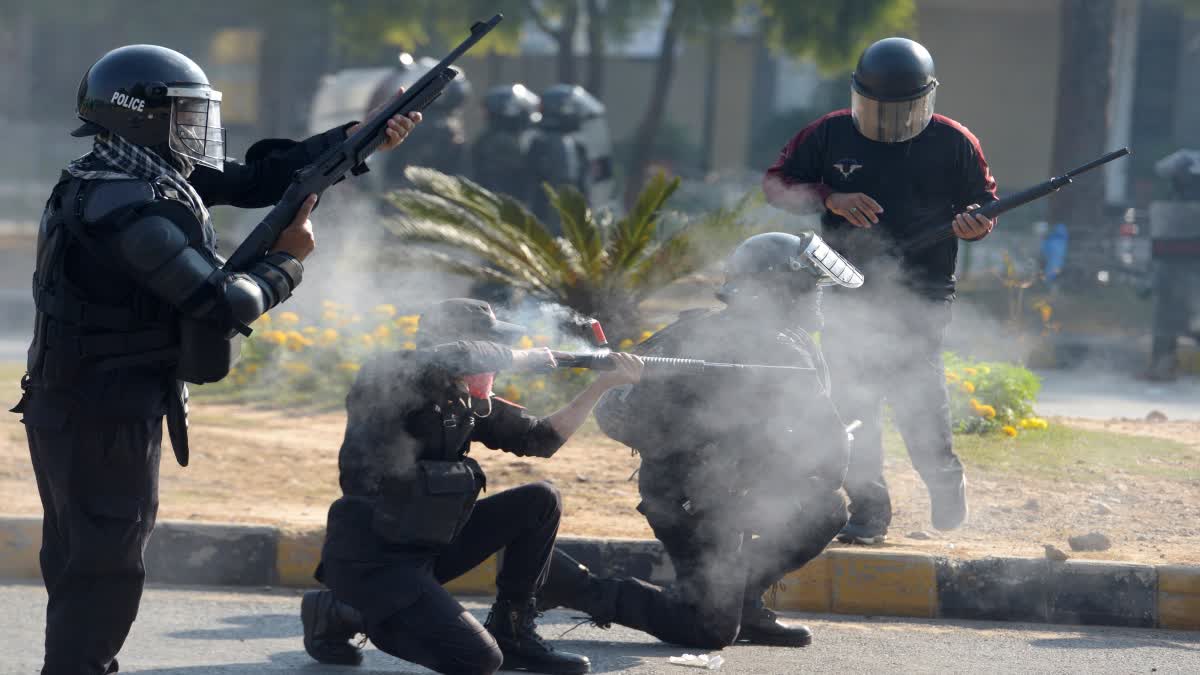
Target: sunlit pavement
(1099,394)
(189,631)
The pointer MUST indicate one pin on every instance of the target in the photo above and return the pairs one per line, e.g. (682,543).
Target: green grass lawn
(1061,451)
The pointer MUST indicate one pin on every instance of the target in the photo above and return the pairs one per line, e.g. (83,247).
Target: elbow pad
(278,274)
(245,299)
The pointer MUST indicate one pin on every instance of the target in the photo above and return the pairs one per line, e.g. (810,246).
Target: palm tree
(599,266)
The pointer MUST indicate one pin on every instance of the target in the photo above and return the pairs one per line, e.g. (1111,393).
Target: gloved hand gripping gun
(600,360)
(333,165)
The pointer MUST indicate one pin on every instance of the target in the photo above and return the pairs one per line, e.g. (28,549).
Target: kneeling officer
(408,520)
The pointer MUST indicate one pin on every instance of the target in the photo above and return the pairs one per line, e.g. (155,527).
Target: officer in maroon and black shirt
(883,170)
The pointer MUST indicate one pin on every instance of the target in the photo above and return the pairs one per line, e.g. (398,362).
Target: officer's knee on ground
(547,496)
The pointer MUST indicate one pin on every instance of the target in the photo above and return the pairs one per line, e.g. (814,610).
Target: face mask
(480,385)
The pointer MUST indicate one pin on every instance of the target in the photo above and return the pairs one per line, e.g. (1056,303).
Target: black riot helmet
(512,106)
(892,90)
(776,268)
(455,94)
(154,97)
(566,106)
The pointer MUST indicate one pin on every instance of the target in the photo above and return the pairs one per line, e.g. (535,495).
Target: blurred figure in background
(499,156)
(879,169)
(559,154)
(1175,251)
(442,142)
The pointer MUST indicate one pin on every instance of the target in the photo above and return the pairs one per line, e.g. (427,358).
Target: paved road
(1105,395)
(189,632)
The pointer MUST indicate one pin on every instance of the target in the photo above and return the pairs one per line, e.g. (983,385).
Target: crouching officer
(740,479)
(131,303)
(408,520)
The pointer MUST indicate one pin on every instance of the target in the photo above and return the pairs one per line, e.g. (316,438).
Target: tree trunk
(652,121)
(1085,74)
(566,44)
(597,49)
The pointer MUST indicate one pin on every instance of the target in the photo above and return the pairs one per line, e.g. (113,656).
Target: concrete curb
(842,580)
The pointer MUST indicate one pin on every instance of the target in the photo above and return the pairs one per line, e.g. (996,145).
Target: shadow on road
(1109,641)
(247,627)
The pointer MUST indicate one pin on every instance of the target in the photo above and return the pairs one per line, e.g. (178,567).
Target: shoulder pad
(178,213)
(105,198)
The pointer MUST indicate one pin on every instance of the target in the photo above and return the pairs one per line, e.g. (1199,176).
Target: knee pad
(549,495)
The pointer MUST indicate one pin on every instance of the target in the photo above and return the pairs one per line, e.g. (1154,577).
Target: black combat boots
(512,624)
(329,626)
(760,626)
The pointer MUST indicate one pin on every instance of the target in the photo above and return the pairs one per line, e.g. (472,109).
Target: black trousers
(718,570)
(99,487)
(877,356)
(436,631)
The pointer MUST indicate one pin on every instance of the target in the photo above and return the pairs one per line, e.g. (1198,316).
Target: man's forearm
(567,420)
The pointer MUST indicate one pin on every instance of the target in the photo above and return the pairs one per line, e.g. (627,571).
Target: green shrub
(991,396)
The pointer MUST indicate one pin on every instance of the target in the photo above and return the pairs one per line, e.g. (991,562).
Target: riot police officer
(879,169)
(131,303)
(499,159)
(408,520)
(557,155)
(740,478)
(442,142)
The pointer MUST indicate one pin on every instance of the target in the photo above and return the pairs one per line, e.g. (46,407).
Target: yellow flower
(355,318)
(986,411)
(646,335)
(382,332)
(524,343)
(951,378)
(968,386)
(579,371)
(240,379)
(276,337)
(330,304)
(289,318)
(409,345)
(1034,423)
(541,340)
(367,339)
(250,368)
(660,326)
(329,315)
(971,372)
(310,330)
(410,330)
(328,337)
(264,320)
(538,384)
(1045,310)
(349,366)
(625,344)
(385,310)
(297,368)
(296,341)
(408,320)
(1009,431)
(985,370)
(511,393)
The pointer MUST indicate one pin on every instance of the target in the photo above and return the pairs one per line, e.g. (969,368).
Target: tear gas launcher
(928,236)
(600,360)
(336,162)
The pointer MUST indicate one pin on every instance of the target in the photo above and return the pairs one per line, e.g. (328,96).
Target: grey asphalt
(183,631)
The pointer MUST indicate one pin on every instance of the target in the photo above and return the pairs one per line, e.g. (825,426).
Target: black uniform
(405,523)
(129,301)
(885,341)
(500,163)
(556,157)
(723,458)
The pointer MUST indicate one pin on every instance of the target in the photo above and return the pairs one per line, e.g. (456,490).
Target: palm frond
(579,229)
(636,230)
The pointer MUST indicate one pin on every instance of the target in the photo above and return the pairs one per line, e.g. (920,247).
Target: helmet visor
(196,130)
(832,268)
(891,121)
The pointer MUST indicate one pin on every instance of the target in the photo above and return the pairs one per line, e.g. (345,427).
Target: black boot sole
(308,617)
(774,640)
